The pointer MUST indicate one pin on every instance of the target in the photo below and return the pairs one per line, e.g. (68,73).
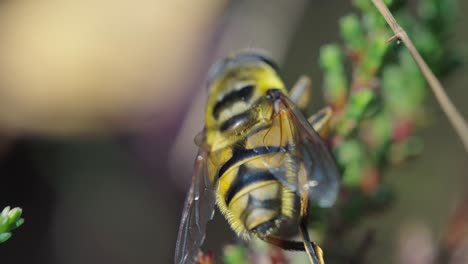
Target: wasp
(260,160)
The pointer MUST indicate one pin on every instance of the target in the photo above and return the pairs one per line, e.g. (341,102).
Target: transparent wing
(312,153)
(303,152)
(198,210)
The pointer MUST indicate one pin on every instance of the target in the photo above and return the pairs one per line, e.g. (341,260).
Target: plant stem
(455,118)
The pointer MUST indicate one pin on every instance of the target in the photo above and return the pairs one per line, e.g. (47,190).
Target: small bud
(352,32)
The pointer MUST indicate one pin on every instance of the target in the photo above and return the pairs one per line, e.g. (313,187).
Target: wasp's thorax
(238,100)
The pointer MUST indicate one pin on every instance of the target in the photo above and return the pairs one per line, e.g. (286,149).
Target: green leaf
(331,61)
(352,32)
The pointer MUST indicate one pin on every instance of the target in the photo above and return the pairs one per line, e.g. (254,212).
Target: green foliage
(235,254)
(382,102)
(9,219)
(335,80)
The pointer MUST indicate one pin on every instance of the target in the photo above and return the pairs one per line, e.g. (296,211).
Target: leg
(314,252)
(321,121)
(301,92)
(284,244)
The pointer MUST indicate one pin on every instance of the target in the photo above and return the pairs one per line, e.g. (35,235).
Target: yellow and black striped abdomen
(250,196)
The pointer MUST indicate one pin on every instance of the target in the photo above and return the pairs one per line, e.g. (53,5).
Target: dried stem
(455,118)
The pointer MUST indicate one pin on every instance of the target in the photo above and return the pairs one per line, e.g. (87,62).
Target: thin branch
(455,118)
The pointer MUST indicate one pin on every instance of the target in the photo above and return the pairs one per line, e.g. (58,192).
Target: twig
(455,118)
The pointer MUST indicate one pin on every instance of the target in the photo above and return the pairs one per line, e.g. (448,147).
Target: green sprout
(9,219)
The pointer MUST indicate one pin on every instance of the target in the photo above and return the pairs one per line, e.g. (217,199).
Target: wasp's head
(236,84)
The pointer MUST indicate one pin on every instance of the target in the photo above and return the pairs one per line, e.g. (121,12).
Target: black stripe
(270,204)
(246,177)
(254,203)
(240,154)
(243,94)
(236,121)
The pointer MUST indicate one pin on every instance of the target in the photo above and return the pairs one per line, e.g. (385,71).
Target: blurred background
(100,101)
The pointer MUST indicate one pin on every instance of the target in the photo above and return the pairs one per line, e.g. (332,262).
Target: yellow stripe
(251,187)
